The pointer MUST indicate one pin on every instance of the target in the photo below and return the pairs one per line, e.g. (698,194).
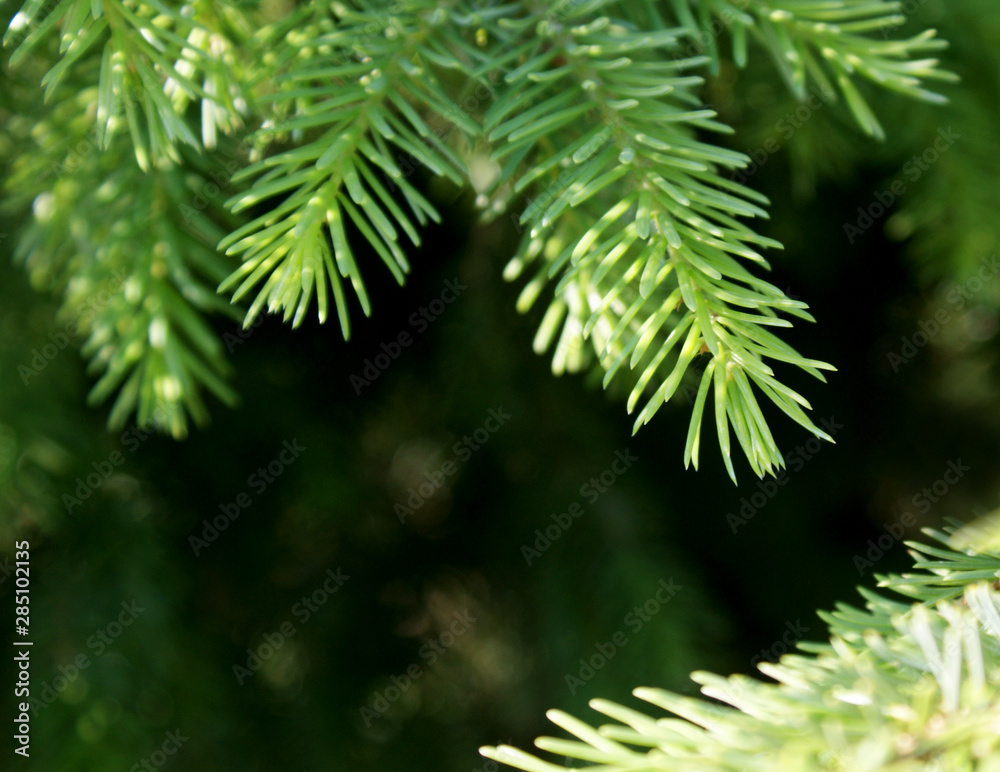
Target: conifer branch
(829,43)
(908,686)
(597,117)
(359,86)
(154,61)
(641,226)
(137,289)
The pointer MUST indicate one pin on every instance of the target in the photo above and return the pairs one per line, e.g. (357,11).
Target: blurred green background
(166,680)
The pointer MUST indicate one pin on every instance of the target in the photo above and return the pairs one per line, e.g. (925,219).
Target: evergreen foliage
(592,108)
(191,155)
(899,686)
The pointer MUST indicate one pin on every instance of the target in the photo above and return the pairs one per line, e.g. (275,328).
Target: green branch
(908,687)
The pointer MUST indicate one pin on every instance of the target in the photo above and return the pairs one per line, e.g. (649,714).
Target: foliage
(899,686)
(157,114)
(591,107)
